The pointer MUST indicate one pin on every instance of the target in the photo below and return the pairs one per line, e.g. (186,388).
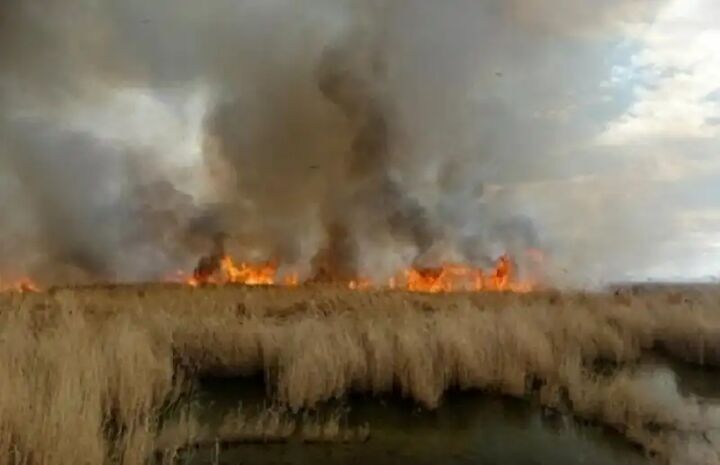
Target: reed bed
(87,373)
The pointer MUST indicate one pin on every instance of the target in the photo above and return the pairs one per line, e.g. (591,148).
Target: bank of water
(468,428)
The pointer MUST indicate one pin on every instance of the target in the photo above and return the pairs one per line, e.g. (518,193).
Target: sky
(673,116)
(600,125)
(659,128)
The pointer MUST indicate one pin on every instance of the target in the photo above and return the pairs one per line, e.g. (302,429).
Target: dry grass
(80,391)
(274,424)
(84,373)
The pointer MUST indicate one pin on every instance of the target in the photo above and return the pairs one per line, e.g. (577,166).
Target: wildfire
(22,285)
(226,271)
(448,277)
(220,269)
(458,277)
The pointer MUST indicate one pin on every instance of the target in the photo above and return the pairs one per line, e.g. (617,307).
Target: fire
(449,277)
(219,268)
(226,271)
(248,274)
(457,277)
(360,284)
(22,285)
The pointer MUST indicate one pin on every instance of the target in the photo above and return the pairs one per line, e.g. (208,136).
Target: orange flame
(264,274)
(454,277)
(449,277)
(360,284)
(22,286)
(248,274)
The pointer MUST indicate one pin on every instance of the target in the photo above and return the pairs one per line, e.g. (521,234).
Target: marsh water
(468,428)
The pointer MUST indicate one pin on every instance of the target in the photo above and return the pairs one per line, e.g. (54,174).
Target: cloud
(678,63)
(583,18)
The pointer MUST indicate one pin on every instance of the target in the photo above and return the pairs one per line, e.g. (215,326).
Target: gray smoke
(90,214)
(336,135)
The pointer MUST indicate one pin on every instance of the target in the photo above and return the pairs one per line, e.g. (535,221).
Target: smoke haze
(347,136)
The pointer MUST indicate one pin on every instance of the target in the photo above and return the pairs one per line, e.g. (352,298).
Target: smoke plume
(336,137)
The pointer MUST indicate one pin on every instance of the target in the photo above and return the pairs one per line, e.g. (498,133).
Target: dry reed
(85,372)
(275,424)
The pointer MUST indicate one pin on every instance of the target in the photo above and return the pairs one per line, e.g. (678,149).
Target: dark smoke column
(351,77)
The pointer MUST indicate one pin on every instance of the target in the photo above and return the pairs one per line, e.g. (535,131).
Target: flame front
(244,273)
(449,277)
(457,277)
(227,272)
(21,285)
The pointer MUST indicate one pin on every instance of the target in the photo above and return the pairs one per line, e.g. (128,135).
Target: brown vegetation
(86,373)
(271,425)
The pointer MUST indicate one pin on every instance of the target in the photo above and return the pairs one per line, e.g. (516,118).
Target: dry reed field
(87,375)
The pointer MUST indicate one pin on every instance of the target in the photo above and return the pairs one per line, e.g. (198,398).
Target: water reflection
(469,428)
